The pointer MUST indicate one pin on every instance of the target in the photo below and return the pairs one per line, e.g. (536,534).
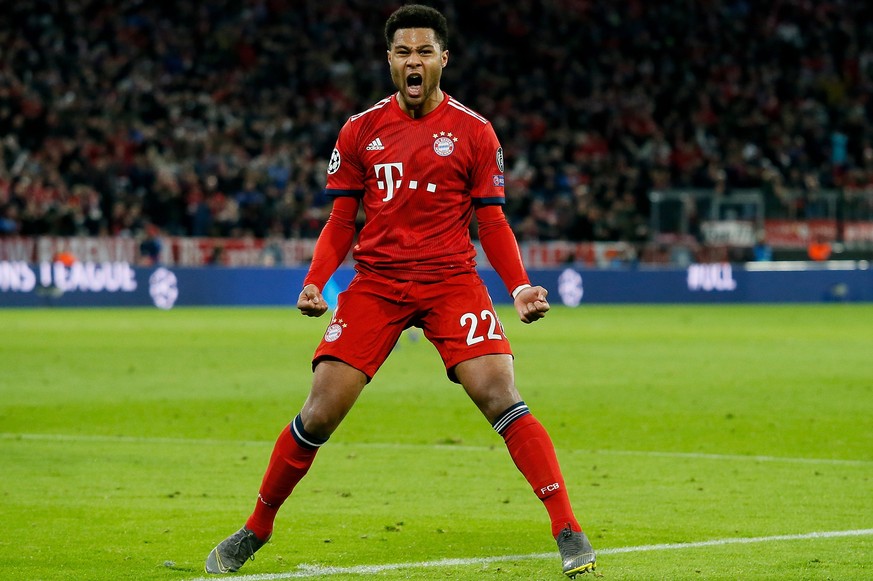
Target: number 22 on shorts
(486,316)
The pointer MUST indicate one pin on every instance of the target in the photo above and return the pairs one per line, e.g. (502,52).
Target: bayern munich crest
(334,330)
(444,143)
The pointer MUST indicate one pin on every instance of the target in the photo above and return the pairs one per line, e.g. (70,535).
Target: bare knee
(319,419)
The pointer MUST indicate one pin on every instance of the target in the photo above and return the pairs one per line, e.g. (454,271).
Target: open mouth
(413,85)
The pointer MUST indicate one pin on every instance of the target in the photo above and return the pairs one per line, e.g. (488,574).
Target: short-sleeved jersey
(418,180)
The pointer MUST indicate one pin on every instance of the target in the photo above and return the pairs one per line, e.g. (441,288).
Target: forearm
(334,242)
(501,247)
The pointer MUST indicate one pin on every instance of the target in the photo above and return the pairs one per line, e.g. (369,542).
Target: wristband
(518,289)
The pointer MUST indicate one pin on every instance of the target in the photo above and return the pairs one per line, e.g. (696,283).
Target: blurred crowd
(217,118)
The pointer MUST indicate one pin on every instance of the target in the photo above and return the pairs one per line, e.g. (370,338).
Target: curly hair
(418,16)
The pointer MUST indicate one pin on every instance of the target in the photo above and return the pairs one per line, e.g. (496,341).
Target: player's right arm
(345,184)
(331,249)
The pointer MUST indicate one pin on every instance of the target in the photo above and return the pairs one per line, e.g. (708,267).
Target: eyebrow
(420,46)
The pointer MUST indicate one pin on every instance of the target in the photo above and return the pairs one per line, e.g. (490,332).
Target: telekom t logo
(385,174)
(388,179)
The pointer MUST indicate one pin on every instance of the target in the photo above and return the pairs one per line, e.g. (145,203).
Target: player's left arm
(495,234)
(501,248)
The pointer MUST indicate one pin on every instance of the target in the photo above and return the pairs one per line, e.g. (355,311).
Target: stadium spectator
(150,247)
(819,249)
(118,114)
(761,250)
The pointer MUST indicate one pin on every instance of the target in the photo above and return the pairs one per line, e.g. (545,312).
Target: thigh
(490,382)
(461,322)
(368,320)
(335,388)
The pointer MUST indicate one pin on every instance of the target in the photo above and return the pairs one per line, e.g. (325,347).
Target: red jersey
(418,180)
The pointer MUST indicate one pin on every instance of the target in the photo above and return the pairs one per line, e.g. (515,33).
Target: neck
(426,106)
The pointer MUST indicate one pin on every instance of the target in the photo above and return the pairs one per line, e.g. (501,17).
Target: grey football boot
(233,552)
(576,552)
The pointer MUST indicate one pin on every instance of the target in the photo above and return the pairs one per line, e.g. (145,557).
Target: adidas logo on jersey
(375,145)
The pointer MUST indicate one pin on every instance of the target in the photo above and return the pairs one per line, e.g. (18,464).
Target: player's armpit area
(500,246)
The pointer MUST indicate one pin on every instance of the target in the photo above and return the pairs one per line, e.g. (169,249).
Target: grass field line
(91,438)
(311,571)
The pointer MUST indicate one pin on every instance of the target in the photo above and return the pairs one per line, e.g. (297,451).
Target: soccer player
(421,164)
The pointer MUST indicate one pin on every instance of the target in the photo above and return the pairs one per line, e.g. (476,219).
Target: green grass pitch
(697,442)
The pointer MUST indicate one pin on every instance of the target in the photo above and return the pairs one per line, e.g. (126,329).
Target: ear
(445,58)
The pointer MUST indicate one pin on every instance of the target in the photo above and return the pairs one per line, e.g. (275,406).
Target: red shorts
(456,315)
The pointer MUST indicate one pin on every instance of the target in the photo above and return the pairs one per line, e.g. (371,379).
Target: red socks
(292,456)
(526,439)
(534,455)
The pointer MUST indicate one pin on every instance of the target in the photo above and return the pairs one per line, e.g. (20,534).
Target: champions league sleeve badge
(334,163)
(500,159)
